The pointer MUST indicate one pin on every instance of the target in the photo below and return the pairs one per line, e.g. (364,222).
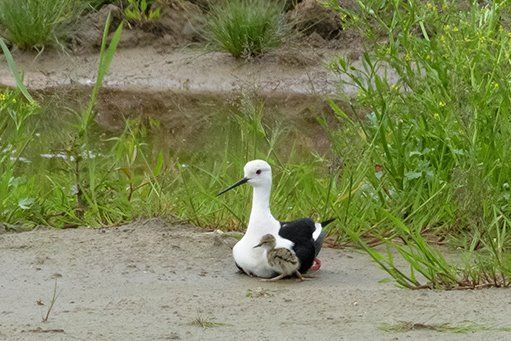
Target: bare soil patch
(155,280)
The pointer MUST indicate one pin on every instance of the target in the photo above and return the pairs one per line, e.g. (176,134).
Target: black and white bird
(303,236)
(282,260)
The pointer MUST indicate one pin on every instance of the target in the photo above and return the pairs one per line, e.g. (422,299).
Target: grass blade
(14,70)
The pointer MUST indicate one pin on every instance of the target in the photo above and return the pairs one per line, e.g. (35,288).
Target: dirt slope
(154,280)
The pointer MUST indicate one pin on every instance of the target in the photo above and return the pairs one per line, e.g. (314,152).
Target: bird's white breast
(251,260)
(254,260)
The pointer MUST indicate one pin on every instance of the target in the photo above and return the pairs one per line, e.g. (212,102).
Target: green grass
(246,28)
(79,188)
(439,135)
(36,24)
(15,73)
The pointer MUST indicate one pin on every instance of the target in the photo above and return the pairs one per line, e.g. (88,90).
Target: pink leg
(316,265)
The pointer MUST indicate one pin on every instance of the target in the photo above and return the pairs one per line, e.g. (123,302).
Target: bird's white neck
(261,219)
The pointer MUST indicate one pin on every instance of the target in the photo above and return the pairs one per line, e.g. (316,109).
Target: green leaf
(159,164)
(154,14)
(14,70)
(105,59)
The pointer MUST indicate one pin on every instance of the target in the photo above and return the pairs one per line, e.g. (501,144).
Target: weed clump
(37,23)
(141,11)
(246,28)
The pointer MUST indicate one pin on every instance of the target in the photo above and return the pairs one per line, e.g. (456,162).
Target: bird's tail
(318,242)
(319,235)
(319,228)
(326,222)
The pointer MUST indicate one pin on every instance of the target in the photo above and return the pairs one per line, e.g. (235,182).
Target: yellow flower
(436,115)
(495,85)
(441,104)
(2,97)
(455,29)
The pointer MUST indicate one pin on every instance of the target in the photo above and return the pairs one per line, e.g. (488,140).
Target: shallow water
(185,125)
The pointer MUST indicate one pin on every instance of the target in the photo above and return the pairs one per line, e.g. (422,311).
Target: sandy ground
(155,281)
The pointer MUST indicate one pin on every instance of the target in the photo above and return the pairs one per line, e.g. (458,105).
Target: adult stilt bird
(303,236)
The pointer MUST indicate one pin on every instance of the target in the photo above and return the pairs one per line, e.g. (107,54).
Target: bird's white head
(257,173)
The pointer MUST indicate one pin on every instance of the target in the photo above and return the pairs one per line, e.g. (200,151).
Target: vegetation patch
(38,23)
(141,11)
(78,189)
(203,322)
(246,28)
(436,139)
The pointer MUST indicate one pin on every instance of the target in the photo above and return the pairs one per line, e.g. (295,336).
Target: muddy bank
(155,280)
(293,72)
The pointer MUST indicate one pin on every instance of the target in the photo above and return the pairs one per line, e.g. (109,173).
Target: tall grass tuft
(37,23)
(246,28)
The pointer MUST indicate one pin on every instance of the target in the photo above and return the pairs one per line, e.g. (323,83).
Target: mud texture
(157,281)
(290,71)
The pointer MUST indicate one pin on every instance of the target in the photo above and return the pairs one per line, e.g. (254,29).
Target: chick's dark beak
(258,245)
(241,182)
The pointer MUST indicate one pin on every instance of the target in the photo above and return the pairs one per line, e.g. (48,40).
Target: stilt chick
(282,260)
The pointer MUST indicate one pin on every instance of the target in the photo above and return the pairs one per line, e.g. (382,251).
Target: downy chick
(282,260)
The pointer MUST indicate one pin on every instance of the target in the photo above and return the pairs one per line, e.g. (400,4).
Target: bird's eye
(258,172)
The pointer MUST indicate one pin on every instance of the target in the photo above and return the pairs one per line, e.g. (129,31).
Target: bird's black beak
(258,245)
(241,182)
